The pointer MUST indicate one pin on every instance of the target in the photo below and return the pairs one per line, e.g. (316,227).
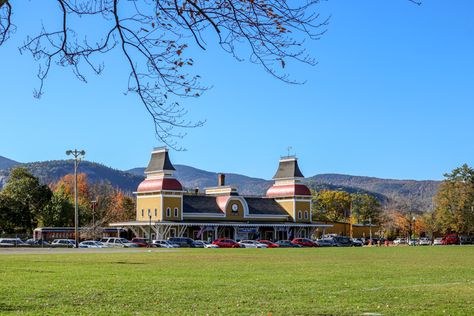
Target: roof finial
(288,149)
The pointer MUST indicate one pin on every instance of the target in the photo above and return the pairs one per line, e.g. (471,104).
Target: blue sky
(392,96)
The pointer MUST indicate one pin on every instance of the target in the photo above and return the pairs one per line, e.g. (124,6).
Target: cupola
(288,180)
(159,173)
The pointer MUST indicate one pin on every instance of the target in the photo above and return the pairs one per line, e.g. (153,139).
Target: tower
(160,195)
(289,192)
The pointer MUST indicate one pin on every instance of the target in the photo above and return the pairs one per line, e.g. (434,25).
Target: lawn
(337,281)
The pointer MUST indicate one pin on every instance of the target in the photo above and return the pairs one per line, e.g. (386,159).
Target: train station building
(166,209)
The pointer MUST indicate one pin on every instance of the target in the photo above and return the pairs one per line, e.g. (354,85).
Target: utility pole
(149,229)
(94,203)
(77,154)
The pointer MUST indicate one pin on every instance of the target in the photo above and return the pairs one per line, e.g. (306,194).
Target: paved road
(44,251)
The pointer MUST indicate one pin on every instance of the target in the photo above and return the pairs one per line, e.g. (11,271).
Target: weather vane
(288,149)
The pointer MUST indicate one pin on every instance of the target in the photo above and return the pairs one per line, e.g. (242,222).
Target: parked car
(413,242)
(424,241)
(141,242)
(117,242)
(304,242)
(204,244)
(451,239)
(252,244)
(342,241)
(38,242)
(226,243)
(325,242)
(466,240)
(164,244)
(357,242)
(438,241)
(183,242)
(400,241)
(63,243)
(91,244)
(199,243)
(11,242)
(269,243)
(287,244)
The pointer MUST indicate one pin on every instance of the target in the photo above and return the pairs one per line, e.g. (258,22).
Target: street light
(77,154)
(149,228)
(94,203)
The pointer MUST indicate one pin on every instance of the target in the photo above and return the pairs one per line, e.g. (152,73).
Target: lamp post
(149,228)
(77,154)
(370,228)
(94,203)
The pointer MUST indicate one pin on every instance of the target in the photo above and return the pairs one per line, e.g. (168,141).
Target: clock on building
(235,207)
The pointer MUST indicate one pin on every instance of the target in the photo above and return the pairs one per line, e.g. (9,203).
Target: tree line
(26,203)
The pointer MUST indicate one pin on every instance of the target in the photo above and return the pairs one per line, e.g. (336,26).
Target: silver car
(117,242)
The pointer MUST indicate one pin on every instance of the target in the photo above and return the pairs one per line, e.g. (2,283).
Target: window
(168,212)
(175,212)
(143,213)
(299,214)
(149,213)
(305,214)
(156,212)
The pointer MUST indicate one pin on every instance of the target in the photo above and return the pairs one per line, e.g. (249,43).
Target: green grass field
(354,281)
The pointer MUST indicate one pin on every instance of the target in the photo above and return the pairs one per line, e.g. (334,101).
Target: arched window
(156,212)
(175,212)
(305,214)
(168,212)
(299,214)
(143,213)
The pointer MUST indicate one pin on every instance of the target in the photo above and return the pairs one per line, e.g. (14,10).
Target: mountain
(385,190)
(421,192)
(6,163)
(52,171)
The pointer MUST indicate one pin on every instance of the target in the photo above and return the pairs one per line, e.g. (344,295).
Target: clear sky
(392,96)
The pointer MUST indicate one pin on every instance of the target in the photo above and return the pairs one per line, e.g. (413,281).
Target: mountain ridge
(384,190)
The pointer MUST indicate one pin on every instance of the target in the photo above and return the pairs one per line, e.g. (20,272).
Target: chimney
(220,179)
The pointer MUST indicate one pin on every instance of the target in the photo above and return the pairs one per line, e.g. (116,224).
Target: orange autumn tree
(67,184)
(121,208)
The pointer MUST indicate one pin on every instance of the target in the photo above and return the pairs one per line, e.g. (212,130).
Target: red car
(268,243)
(140,242)
(451,239)
(304,242)
(226,243)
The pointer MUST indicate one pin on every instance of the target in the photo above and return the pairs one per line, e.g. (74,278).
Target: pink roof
(288,190)
(149,185)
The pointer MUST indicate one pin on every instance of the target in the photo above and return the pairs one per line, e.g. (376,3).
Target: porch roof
(228,224)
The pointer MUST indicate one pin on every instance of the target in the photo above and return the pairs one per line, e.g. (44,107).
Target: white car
(117,242)
(204,244)
(424,242)
(400,241)
(63,243)
(91,244)
(11,242)
(438,241)
(164,244)
(252,244)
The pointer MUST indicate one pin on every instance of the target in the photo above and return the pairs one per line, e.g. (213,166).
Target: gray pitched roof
(288,168)
(159,161)
(264,206)
(200,204)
